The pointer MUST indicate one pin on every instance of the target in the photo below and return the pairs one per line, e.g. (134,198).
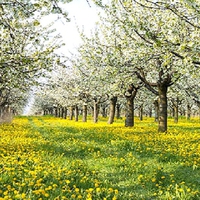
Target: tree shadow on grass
(127,185)
(188,175)
(74,152)
(186,128)
(184,184)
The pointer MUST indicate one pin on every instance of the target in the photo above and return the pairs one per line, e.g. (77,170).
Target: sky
(81,14)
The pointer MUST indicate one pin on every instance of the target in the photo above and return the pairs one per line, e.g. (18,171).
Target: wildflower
(116,191)
(110,190)
(89,196)
(46,195)
(98,189)
(153,180)
(67,181)
(16,192)
(23,195)
(77,190)
(180,189)
(140,177)
(17,196)
(48,188)
(96,185)
(73,196)
(9,187)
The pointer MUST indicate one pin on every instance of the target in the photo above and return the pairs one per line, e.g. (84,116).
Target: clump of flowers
(49,158)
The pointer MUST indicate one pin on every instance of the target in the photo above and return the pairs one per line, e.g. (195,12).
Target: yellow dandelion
(73,196)
(31,183)
(110,190)
(23,195)
(9,187)
(77,190)
(96,185)
(89,196)
(180,189)
(16,192)
(116,191)
(114,198)
(188,190)
(46,195)
(98,189)
(153,180)
(67,181)
(6,197)
(17,196)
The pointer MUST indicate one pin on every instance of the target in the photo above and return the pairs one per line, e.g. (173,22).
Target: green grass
(49,158)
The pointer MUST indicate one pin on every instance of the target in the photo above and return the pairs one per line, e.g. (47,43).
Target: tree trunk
(84,113)
(113,102)
(188,114)
(129,122)
(199,112)
(76,113)
(49,110)
(162,119)
(71,114)
(141,112)
(176,110)
(96,111)
(104,111)
(130,96)
(118,114)
(172,113)
(55,112)
(1,111)
(176,114)
(175,106)
(65,113)
(59,112)
(156,104)
(6,115)
(150,112)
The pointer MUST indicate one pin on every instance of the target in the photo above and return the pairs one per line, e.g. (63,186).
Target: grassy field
(49,158)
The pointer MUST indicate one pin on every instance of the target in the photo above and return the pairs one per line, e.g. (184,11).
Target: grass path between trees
(50,158)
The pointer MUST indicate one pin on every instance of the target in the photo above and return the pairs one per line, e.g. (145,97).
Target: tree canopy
(27,47)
